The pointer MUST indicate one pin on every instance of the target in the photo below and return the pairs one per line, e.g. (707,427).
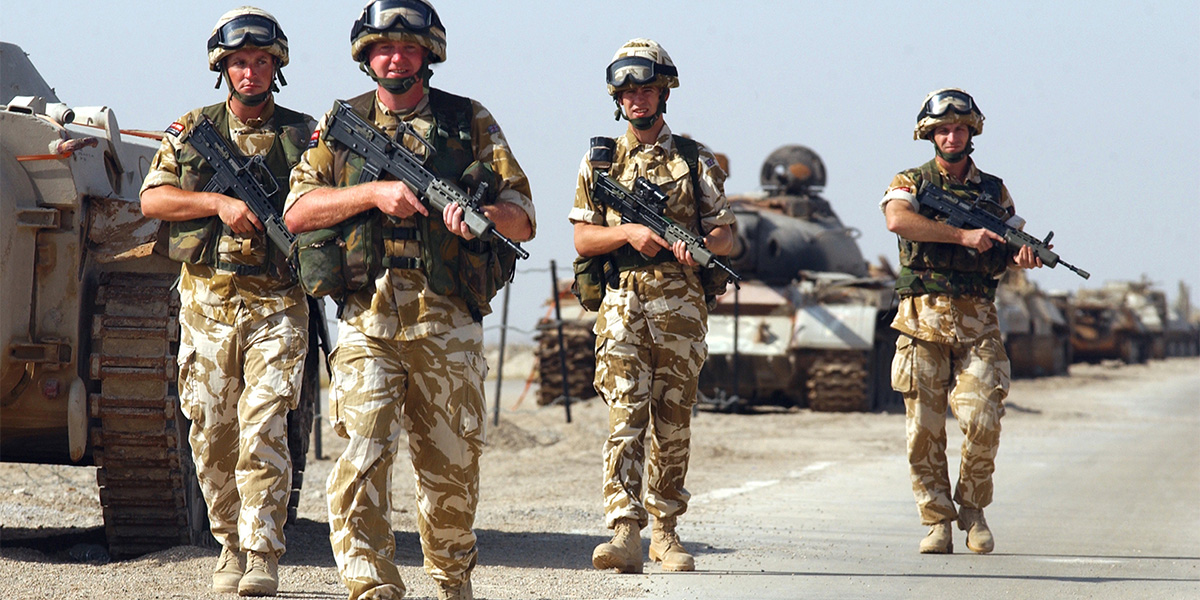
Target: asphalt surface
(1105,508)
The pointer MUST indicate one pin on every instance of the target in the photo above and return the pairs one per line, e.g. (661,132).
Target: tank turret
(809,325)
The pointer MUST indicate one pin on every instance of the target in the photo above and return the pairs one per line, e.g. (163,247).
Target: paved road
(1102,508)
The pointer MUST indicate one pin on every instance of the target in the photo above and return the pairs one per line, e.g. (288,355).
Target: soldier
(949,350)
(651,323)
(244,320)
(409,356)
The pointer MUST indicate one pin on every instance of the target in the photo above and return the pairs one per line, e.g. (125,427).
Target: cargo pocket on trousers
(337,419)
(188,402)
(903,377)
(469,407)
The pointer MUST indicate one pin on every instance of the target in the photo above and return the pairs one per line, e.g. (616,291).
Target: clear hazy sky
(1093,108)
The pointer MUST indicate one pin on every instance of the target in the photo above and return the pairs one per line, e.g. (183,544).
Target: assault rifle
(645,205)
(986,213)
(386,155)
(242,178)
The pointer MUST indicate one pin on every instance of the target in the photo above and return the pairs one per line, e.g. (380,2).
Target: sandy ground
(540,513)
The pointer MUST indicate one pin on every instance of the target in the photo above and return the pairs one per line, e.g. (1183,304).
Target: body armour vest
(195,241)
(951,269)
(471,270)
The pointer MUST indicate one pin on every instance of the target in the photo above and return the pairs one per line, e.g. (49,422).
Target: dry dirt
(540,513)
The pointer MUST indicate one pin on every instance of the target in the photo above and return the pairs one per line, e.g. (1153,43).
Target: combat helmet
(413,21)
(640,61)
(247,27)
(945,106)
(405,21)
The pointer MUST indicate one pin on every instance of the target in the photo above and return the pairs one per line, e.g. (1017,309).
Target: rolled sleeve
(584,210)
(315,169)
(492,147)
(164,167)
(902,188)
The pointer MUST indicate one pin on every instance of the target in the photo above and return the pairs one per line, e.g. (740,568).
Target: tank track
(837,382)
(148,489)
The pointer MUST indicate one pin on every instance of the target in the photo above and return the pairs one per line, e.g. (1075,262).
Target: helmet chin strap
(642,123)
(248,100)
(953,157)
(397,85)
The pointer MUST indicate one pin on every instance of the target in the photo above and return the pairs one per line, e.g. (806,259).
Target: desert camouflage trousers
(973,379)
(431,388)
(650,391)
(236,384)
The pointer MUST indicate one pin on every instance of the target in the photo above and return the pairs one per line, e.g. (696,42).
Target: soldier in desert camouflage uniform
(409,359)
(244,320)
(651,325)
(949,350)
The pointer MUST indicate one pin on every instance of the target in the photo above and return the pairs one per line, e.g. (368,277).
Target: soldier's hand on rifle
(643,239)
(981,240)
(237,215)
(452,215)
(397,199)
(1026,258)
(682,254)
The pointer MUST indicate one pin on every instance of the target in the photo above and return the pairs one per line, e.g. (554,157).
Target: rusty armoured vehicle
(1106,326)
(89,327)
(810,324)
(1034,326)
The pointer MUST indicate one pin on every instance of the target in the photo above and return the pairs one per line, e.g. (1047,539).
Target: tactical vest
(195,241)
(712,280)
(942,268)
(626,257)
(471,270)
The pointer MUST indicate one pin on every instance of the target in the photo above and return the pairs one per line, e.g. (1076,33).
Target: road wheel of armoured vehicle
(580,345)
(300,421)
(1130,351)
(837,381)
(148,489)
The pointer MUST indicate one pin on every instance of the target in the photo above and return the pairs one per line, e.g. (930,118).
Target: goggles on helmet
(947,101)
(636,70)
(385,14)
(255,29)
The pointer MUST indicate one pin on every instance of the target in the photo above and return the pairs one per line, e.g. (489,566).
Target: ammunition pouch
(194,241)
(339,260)
(592,276)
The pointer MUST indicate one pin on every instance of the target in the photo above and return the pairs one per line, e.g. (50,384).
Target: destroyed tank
(1106,326)
(90,326)
(1035,329)
(810,324)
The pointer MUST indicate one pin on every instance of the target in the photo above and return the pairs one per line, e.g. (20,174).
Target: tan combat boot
(666,547)
(230,566)
(262,575)
(461,591)
(979,537)
(940,539)
(624,552)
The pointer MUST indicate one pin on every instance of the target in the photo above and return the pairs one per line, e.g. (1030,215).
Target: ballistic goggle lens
(255,29)
(636,70)
(940,104)
(412,15)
